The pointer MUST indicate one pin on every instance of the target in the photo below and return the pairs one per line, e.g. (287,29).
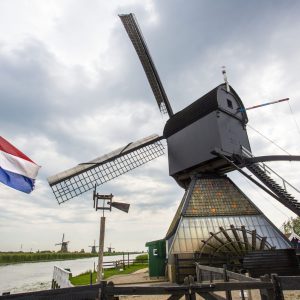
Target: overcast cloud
(72,88)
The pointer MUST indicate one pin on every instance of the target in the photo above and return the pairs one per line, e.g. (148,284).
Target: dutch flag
(17,170)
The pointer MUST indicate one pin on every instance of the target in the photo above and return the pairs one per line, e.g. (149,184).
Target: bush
(141,258)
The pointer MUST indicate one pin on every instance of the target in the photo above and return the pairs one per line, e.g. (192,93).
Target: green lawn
(84,279)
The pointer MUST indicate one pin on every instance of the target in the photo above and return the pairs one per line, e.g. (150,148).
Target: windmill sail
(77,180)
(137,39)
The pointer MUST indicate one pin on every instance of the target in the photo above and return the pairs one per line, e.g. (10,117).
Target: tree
(292,225)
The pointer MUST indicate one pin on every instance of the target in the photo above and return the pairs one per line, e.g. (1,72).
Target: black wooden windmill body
(63,244)
(205,140)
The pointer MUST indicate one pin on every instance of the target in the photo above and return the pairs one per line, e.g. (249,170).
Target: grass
(84,279)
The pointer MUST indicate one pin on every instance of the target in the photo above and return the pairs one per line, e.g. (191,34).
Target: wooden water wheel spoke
(208,244)
(263,243)
(220,241)
(216,251)
(246,241)
(230,245)
(237,237)
(230,240)
(253,235)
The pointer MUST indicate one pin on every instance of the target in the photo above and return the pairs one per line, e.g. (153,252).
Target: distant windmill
(94,247)
(64,245)
(110,249)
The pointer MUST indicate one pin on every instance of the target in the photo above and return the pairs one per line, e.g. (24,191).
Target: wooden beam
(253,234)
(220,241)
(229,239)
(262,243)
(211,296)
(289,283)
(246,241)
(215,248)
(237,237)
(175,297)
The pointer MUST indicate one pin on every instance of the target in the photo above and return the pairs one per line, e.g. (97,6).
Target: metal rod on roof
(225,78)
(264,104)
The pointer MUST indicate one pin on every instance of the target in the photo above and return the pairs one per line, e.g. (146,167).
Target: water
(36,276)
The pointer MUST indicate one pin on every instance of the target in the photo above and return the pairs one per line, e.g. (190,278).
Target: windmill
(205,141)
(110,249)
(94,247)
(64,244)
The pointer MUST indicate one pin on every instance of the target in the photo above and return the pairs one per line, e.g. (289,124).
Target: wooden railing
(270,289)
(123,263)
(279,283)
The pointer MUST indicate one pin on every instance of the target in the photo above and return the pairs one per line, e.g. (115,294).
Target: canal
(36,276)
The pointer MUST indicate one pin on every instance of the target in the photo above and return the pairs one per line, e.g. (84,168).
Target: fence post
(267,294)
(226,279)
(124,267)
(102,291)
(190,293)
(198,273)
(91,277)
(249,292)
(176,268)
(277,286)
(210,277)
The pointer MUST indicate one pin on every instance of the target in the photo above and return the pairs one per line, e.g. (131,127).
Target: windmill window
(229,103)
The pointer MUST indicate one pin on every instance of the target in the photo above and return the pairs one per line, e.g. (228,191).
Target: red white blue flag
(17,170)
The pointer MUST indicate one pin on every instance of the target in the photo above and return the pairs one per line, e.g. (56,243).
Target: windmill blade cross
(130,23)
(75,181)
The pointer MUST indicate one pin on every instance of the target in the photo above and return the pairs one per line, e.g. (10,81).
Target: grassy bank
(85,278)
(20,257)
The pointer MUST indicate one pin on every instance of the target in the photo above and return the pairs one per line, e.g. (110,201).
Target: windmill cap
(198,109)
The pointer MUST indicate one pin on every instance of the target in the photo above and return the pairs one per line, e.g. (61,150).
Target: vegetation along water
(20,257)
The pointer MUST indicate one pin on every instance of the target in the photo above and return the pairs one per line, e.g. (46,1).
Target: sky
(72,89)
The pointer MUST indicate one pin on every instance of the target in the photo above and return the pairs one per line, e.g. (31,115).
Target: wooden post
(277,286)
(128,259)
(226,279)
(124,267)
(101,247)
(266,294)
(102,291)
(176,268)
(249,292)
(91,278)
(190,293)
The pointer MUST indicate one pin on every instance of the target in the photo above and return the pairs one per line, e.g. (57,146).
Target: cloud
(72,89)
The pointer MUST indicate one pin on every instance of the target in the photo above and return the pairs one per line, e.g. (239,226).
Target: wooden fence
(123,263)
(270,287)
(279,283)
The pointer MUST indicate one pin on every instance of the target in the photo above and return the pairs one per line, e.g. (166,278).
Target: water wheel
(229,246)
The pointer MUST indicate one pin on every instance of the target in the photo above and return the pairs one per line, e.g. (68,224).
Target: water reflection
(26,277)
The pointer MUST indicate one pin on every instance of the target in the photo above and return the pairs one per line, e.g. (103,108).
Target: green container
(157,258)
